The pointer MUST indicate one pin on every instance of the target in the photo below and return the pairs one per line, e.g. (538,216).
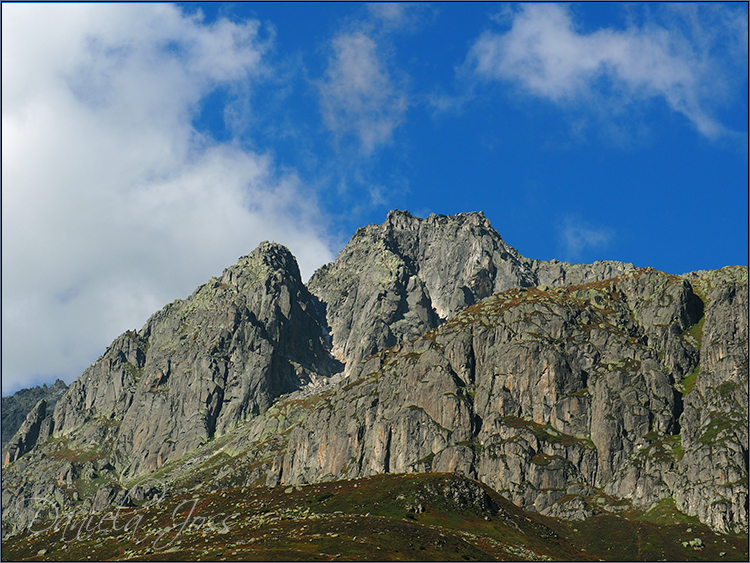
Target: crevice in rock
(472,358)
(695,308)
(387,458)
(677,412)
(321,313)
(458,382)
(213,416)
(477,423)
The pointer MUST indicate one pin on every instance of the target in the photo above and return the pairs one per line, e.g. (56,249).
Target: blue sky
(153,144)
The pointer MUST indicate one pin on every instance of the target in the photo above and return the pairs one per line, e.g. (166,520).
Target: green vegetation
(322,497)
(546,432)
(688,383)
(726,389)
(88,487)
(134,371)
(679,451)
(656,535)
(426,460)
(664,448)
(665,512)
(717,425)
(695,333)
(542,459)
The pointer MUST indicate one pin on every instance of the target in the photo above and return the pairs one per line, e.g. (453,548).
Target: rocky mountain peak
(401,220)
(397,219)
(562,386)
(36,427)
(396,280)
(268,259)
(16,407)
(200,366)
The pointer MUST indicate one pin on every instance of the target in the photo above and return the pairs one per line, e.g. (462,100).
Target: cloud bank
(113,203)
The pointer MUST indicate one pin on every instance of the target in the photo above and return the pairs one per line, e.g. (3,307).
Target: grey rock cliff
(395,281)
(556,384)
(201,366)
(36,428)
(547,393)
(715,417)
(15,407)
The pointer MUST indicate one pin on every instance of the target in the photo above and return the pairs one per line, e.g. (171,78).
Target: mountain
(15,407)
(548,395)
(397,280)
(428,345)
(198,367)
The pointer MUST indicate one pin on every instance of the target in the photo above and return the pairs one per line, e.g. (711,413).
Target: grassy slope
(376,518)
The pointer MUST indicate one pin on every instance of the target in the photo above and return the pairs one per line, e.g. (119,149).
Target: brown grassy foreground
(418,517)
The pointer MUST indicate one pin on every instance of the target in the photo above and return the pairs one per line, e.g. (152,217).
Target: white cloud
(577,237)
(113,204)
(400,15)
(392,13)
(358,95)
(547,56)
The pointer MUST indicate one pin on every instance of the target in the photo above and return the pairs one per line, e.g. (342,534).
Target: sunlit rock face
(201,366)
(395,281)
(548,393)
(427,345)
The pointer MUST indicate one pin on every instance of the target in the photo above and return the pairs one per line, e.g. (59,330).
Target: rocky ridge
(396,281)
(548,395)
(628,386)
(199,367)
(15,407)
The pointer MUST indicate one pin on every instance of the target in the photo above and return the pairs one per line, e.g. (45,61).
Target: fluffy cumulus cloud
(358,95)
(685,62)
(113,203)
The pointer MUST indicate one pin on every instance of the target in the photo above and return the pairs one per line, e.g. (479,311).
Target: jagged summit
(267,257)
(441,348)
(396,280)
(402,219)
(200,366)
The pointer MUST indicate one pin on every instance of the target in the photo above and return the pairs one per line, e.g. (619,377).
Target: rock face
(196,370)
(15,407)
(37,427)
(427,345)
(715,417)
(547,393)
(395,281)
(201,366)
